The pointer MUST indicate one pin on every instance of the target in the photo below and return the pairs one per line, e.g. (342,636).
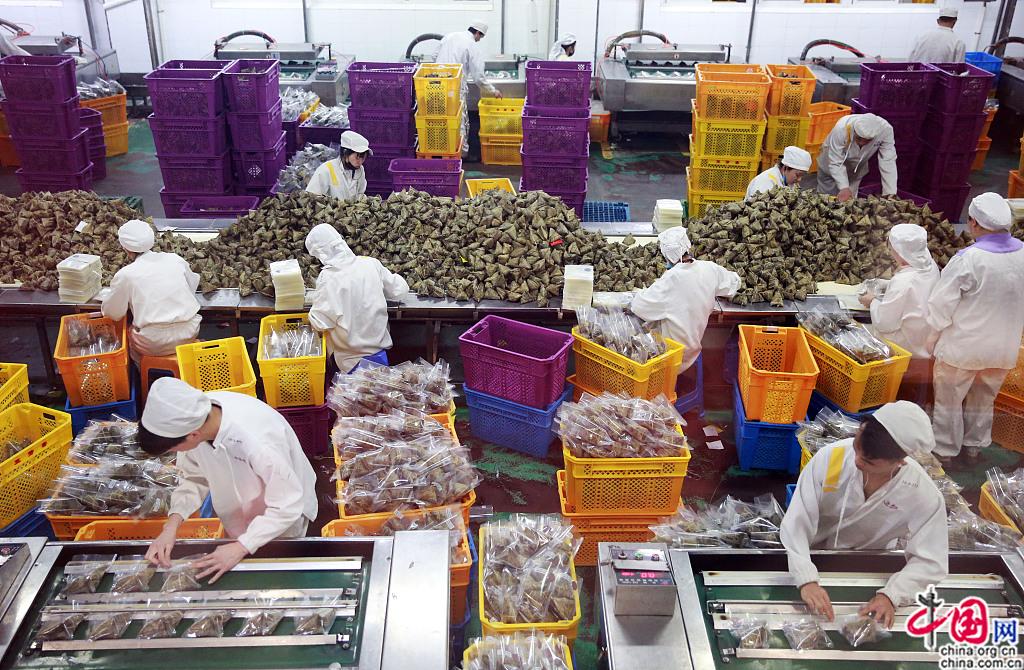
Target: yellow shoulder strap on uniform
(835,468)
(773,178)
(849,134)
(334,175)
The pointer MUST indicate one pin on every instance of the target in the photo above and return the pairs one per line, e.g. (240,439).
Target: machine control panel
(644,585)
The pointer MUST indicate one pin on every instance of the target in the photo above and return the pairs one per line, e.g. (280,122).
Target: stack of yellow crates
(439,110)
(789,106)
(728,128)
(501,130)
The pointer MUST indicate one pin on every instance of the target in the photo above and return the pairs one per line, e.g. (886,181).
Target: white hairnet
(911,242)
(674,243)
(174,409)
(479,26)
(991,211)
(796,158)
(353,141)
(908,425)
(948,13)
(327,245)
(868,126)
(558,47)
(136,236)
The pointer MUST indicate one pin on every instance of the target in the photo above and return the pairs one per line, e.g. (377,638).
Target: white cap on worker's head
(567,40)
(948,13)
(868,126)
(479,26)
(908,425)
(796,158)
(136,236)
(674,243)
(324,242)
(991,211)
(911,242)
(174,409)
(353,141)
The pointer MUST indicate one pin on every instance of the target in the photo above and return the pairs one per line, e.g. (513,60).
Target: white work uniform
(262,485)
(350,303)
(901,315)
(842,163)
(766,181)
(977,311)
(8,47)
(461,48)
(828,511)
(938,45)
(682,299)
(160,290)
(335,180)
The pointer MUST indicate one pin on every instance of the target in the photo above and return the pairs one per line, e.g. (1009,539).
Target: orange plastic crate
(1015,185)
(732,92)
(26,476)
(824,117)
(1013,385)
(777,373)
(792,87)
(148,529)
(595,528)
(984,144)
(93,380)
(466,504)
(990,509)
(600,125)
(1008,423)
(8,154)
(13,384)
(116,138)
(113,108)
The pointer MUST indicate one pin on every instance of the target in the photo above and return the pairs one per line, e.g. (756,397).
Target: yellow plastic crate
(116,139)
(13,384)
(824,117)
(477,186)
(731,92)
(567,628)
(470,653)
(738,140)
(501,116)
(700,201)
(439,134)
(98,379)
(291,382)
(604,370)
(501,150)
(1013,385)
(600,126)
(769,159)
(792,87)
(708,173)
(147,529)
(26,476)
(438,88)
(113,108)
(595,528)
(855,386)
(1008,423)
(990,509)
(785,132)
(777,373)
(218,365)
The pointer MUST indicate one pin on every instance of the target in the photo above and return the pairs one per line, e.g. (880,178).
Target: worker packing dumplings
(940,44)
(564,48)
(460,48)
(343,177)
(682,299)
(159,289)
(350,301)
(793,166)
(864,493)
(244,454)
(846,154)
(977,311)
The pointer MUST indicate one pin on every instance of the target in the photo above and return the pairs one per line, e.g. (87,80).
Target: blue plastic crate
(790,490)
(820,402)
(32,523)
(986,62)
(764,446)
(81,416)
(605,212)
(511,425)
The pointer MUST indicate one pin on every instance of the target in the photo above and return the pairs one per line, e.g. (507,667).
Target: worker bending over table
(846,156)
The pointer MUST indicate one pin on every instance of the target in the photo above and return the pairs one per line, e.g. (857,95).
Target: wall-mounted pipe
(750,31)
(991,48)
(425,37)
(629,34)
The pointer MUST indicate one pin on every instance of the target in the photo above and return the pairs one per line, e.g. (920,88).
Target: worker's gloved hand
(159,552)
(844,195)
(881,609)
(817,600)
(867,299)
(223,558)
(497,94)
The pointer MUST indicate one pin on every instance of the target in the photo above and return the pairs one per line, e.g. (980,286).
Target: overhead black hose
(991,48)
(14,27)
(630,34)
(425,37)
(222,41)
(832,43)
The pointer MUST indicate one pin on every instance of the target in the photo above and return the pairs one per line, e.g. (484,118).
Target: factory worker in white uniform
(978,312)
(461,48)
(244,454)
(350,302)
(863,493)
(564,48)
(846,155)
(682,299)
(8,47)
(940,44)
(793,165)
(343,177)
(160,290)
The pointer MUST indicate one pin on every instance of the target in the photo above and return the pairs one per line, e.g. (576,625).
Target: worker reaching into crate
(244,454)
(865,493)
(846,156)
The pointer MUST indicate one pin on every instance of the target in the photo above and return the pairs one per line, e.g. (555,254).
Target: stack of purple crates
(190,131)
(383,111)
(42,114)
(254,118)
(556,130)
(92,121)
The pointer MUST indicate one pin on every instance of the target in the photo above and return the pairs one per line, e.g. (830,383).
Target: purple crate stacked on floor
(92,122)
(43,117)
(437,176)
(556,135)
(383,111)
(258,140)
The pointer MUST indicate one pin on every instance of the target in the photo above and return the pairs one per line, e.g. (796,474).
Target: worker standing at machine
(7,45)
(940,44)
(793,165)
(160,290)
(461,48)
(564,48)
(244,454)
(350,302)
(343,177)
(846,155)
(977,311)
(864,493)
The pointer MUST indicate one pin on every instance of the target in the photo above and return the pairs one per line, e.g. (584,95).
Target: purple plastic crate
(252,84)
(950,200)
(393,129)
(186,94)
(90,118)
(259,169)
(905,125)
(196,175)
(573,200)
(189,137)
(512,425)
(895,87)
(938,169)
(552,132)
(960,88)
(42,120)
(54,155)
(952,132)
(381,85)
(173,202)
(219,206)
(291,137)
(556,173)
(261,193)
(420,173)
(515,361)
(875,189)
(558,83)
(182,64)
(906,167)
(48,181)
(99,166)
(312,426)
(97,150)
(38,78)
(376,166)
(326,135)
(255,132)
